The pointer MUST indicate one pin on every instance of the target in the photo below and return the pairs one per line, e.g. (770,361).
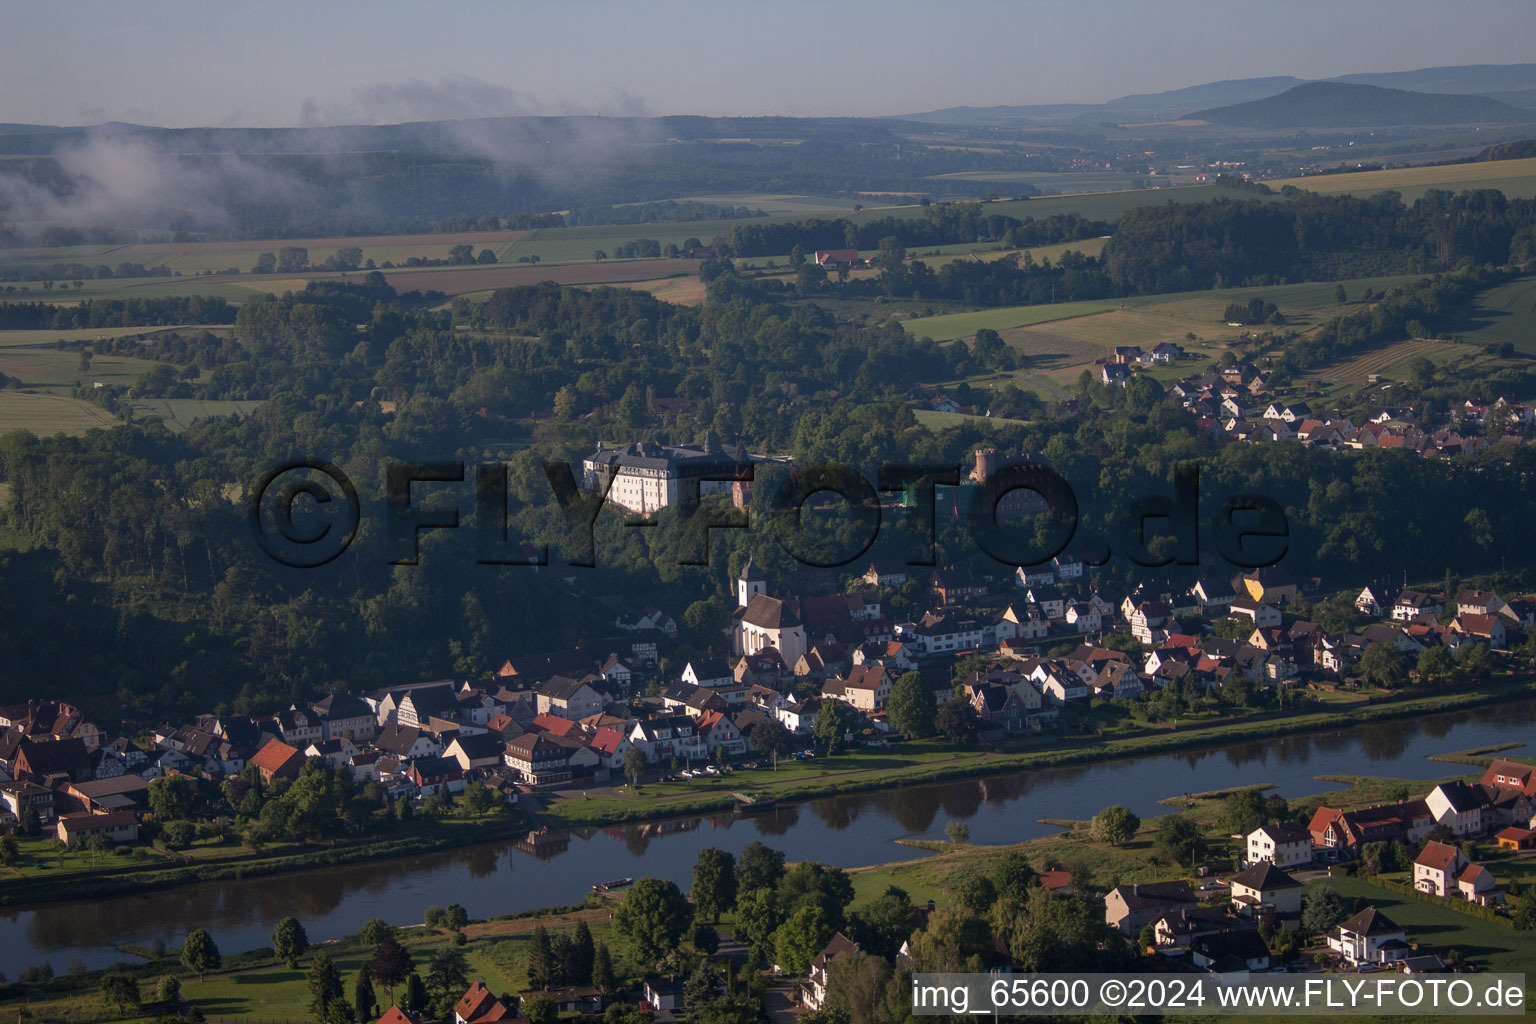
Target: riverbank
(919,763)
(849,774)
(113,879)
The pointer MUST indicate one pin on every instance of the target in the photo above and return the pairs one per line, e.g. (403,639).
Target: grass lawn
(1438,929)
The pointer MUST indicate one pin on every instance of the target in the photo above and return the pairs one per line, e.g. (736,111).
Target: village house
(1128,908)
(1263,616)
(482,751)
(18,796)
(118,826)
(1234,953)
(798,718)
(1437,867)
(1283,845)
(479,1005)
(277,760)
(1369,937)
(538,760)
(1177,929)
(343,715)
(1265,892)
(433,775)
(1459,807)
(866,687)
(667,737)
(405,742)
(573,699)
(814,992)
(46,763)
(720,735)
(1411,604)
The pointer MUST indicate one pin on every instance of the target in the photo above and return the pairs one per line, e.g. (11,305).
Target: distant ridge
(1342,105)
(1511,83)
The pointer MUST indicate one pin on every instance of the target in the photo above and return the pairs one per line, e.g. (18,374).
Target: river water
(848,831)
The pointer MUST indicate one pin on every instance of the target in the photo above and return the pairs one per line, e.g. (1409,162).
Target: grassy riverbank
(256,989)
(48,877)
(929,761)
(49,874)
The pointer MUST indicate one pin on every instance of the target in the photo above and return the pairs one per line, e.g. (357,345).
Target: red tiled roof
(607,741)
(275,757)
(1439,856)
(553,724)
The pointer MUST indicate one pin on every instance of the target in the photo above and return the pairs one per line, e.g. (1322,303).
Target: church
(764,621)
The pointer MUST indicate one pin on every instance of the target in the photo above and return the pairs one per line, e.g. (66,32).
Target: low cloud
(454,98)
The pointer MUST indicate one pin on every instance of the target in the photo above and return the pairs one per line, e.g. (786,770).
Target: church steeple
(749,584)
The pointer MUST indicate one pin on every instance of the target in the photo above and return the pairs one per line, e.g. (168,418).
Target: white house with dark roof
(1283,845)
(1370,937)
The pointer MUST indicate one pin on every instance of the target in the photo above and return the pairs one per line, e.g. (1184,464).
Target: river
(848,831)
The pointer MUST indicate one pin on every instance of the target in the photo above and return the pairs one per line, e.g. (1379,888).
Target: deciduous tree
(653,916)
(714,883)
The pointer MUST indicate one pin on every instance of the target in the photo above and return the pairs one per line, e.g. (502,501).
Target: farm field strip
(1506,313)
(948,326)
(190,257)
(1515,178)
(461,280)
(178,413)
(48,414)
(42,337)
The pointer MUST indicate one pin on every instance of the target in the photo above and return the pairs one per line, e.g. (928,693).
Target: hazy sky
(285,62)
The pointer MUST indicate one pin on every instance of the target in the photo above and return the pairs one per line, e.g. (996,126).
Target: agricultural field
(1068,182)
(43,404)
(576,245)
(48,414)
(470,280)
(235,289)
(190,258)
(50,368)
(776,204)
(178,413)
(1106,206)
(1515,178)
(38,338)
(680,291)
(1059,340)
(948,326)
(937,421)
(1505,314)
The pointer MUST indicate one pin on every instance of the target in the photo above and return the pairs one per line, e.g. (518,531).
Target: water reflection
(559,867)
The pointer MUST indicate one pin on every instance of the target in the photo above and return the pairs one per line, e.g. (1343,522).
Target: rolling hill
(1345,105)
(1511,83)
